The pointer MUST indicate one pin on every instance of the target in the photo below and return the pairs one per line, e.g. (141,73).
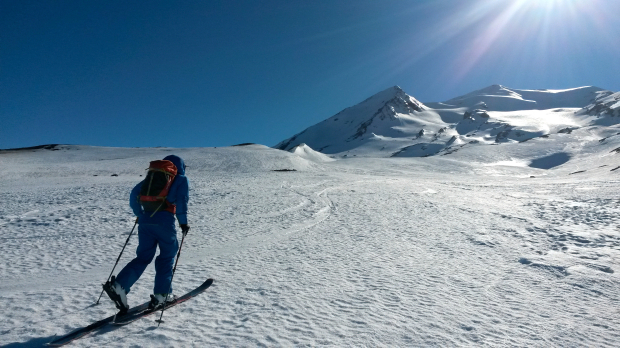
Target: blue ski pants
(150,236)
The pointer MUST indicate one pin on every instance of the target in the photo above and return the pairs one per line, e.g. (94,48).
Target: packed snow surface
(478,248)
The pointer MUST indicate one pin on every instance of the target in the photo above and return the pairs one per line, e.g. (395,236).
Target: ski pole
(119,257)
(172,277)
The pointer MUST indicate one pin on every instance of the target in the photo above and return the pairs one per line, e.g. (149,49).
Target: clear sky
(217,73)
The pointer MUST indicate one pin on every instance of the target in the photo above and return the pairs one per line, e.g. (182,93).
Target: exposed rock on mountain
(605,105)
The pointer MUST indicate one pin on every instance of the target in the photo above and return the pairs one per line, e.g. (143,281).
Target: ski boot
(117,294)
(158,300)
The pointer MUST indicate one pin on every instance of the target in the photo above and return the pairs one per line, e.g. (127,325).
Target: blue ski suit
(157,230)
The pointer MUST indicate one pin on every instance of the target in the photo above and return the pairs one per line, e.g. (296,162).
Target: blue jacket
(178,195)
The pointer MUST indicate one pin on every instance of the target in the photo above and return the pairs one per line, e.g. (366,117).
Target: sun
(512,29)
(511,36)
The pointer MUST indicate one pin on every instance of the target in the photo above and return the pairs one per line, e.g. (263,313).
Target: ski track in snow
(349,256)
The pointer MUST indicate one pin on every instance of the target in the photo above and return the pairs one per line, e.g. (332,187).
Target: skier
(155,227)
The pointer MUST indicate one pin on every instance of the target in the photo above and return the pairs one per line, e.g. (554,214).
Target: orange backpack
(155,187)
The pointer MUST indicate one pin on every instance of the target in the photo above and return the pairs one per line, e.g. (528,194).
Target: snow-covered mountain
(384,113)
(605,106)
(394,124)
(501,98)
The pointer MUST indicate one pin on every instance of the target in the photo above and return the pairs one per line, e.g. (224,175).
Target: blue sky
(217,73)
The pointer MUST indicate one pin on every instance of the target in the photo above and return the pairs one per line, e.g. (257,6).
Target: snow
(305,151)
(390,113)
(391,224)
(459,250)
(607,105)
(501,98)
(394,124)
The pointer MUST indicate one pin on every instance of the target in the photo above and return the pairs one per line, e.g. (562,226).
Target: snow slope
(475,248)
(501,98)
(304,151)
(606,106)
(386,113)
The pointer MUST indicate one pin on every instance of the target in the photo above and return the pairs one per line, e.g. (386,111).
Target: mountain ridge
(392,123)
(526,99)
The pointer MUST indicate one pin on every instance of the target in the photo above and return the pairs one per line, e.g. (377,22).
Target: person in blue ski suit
(153,231)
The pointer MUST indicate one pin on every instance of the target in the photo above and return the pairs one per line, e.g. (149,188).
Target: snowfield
(475,248)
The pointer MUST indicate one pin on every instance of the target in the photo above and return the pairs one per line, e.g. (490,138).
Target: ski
(131,317)
(78,333)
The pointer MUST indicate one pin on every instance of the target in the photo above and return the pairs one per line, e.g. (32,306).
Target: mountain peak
(382,113)
(388,93)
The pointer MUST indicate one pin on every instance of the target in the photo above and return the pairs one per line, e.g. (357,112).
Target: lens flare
(526,34)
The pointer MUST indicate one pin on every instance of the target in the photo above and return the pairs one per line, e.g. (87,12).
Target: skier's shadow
(105,329)
(33,343)
(122,338)
(110,327)
(39,341)
(43,341)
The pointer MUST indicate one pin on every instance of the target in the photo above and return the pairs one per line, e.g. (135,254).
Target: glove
(184,229)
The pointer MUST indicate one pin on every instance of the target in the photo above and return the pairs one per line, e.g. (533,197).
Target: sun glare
(511,37)
(546,28)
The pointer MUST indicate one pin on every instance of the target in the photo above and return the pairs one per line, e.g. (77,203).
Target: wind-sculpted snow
(440,251)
